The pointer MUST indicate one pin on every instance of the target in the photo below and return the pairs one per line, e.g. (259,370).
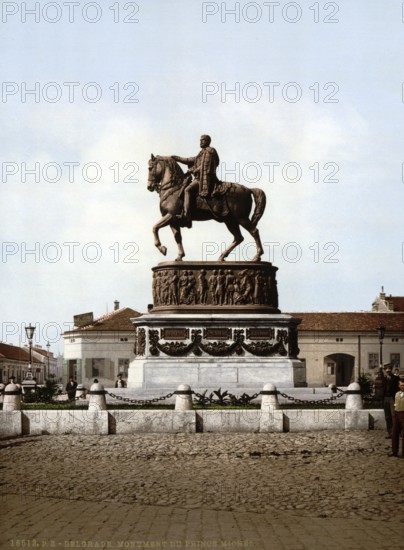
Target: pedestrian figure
(120,383)
(398,421)
(71,389)
(389,390)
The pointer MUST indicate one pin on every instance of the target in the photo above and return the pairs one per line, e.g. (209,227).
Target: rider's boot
(187,220)
(184,219)
(186,212)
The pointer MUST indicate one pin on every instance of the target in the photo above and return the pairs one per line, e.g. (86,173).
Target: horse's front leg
(178,239)
(165,220)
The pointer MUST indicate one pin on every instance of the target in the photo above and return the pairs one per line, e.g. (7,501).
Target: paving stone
(275,490)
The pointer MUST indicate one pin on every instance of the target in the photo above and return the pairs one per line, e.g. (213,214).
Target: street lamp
(48,347)
(29,383)
(381,332)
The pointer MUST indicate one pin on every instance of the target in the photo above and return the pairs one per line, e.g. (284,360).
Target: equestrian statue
(198,195)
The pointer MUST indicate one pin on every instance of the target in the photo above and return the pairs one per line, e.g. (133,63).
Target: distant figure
(71,389)
(389,390)
(396,371)
(120,383)
(398,421)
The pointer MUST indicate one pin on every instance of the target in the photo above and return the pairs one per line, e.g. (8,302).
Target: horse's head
(156,171)
(163,172)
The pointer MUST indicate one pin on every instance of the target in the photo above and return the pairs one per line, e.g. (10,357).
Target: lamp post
(29,383)
(381,330)
(48,347)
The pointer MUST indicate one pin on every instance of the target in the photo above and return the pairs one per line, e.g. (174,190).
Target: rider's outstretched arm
(189,161)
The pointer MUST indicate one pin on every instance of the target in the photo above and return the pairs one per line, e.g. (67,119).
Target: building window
(373,360)
(395,360)
(339,339)
(394,339)
(331,368)
(72,340)
(124,339)
(98,367)
(123,367)
(72,369)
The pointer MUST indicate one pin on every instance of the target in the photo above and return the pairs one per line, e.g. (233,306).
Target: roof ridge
(107,316)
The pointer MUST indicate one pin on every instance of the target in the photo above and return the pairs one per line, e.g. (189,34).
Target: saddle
(217,202)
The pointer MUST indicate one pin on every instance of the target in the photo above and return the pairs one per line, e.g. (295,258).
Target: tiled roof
(351,321)
(42,352)
(397,301)
(16,353)
(119,319)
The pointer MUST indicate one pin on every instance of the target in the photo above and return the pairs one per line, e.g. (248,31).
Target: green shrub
(367,386)
(45,393)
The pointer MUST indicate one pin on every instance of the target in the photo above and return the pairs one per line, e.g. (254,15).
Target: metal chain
(339,389)
(83,395)
(313,402)
(233,399)
(140,401)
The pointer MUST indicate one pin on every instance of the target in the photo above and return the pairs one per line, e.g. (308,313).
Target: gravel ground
(323,474)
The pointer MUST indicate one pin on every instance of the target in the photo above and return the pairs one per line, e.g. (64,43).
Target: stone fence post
(183,400)
(269,401)
(96,398)
(354,400)
(12,398)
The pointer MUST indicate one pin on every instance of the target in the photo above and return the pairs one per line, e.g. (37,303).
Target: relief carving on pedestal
(197,346)
(140,341)
(293,343)
(222,287)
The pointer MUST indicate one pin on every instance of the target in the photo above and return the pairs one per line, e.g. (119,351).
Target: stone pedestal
(215,287)
(214,325)
(235,353)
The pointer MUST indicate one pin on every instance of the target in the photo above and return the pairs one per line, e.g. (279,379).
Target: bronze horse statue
(167,178)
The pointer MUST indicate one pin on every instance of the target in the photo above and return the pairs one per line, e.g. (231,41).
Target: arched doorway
(339,369)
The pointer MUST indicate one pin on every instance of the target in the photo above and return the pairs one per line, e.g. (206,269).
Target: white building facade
(339,347)
(101,349)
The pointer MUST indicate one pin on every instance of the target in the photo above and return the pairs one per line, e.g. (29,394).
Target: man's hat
(387,366)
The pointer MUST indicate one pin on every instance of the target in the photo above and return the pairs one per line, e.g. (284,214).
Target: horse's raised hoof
(163,250)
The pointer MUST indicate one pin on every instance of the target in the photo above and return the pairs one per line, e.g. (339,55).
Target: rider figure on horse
(203,167)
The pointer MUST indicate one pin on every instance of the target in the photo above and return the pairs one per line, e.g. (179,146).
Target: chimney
(116,305)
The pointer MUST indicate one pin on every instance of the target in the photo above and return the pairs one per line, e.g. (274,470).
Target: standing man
(398,421)
(389,390)
(203,167)
(71,389)
(120,382)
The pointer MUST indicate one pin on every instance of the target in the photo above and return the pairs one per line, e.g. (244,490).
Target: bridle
(152,183)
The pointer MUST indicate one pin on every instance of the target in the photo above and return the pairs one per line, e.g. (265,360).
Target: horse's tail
(260,203)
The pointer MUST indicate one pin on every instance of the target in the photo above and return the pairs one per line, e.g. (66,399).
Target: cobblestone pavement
(336,490)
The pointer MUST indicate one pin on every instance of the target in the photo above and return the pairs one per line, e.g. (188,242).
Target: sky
(302,99)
